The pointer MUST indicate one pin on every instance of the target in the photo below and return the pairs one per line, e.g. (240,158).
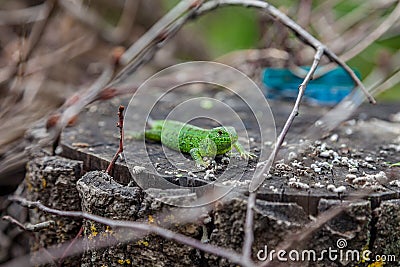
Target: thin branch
(29,227)
(105,30)
(389,83)
(140,227)
(14,221)
(72,107)
(120,125)
(248,228)
(258,177)
(34,38)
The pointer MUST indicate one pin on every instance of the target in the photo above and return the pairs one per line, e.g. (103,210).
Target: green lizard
(199,142)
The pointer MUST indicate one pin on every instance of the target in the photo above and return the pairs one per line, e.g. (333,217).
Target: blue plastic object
(328,90)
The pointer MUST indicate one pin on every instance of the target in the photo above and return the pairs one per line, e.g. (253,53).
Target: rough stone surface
(350,230)
(52,181)
(272,223)
(101,195)
(387,227)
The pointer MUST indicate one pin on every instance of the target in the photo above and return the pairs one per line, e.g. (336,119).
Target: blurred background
(49,51)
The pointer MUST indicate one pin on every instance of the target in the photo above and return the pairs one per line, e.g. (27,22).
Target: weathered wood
(386,232)
(102,196)
(272,224)
(52,181)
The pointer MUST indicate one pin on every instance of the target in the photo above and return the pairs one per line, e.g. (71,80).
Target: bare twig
(72,108)
(389,83)
(14,221)
(120,125)
(258,177)
(248,228)
(140,227)
(29,227)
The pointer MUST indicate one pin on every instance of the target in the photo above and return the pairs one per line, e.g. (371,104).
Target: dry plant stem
(89,18)
(33,228)
(120,125)
(29,227)
(389,83)
(373,36)
(106,31)
(368,40)
(140,227)
(293,26)
(14,221)
(142,48)
(34,38)
(23,15)
(37,31)
(121,32)
(258,179)
(248,228)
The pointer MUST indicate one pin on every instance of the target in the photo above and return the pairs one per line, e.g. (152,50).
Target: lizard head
(223,137)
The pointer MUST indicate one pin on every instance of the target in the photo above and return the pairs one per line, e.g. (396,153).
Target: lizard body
(199,142)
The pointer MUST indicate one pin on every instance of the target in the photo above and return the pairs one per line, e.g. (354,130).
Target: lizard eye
(219,132)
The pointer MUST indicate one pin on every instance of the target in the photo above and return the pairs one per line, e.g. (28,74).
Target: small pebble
(369,159)
(325,154)
(299,185)
(340,189)
(331,187)
(334,137)
(353,170)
